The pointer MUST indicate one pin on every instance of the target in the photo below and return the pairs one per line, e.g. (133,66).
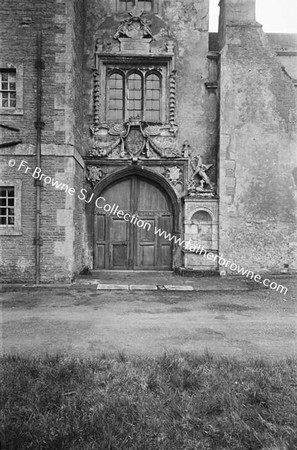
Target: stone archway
(128,240)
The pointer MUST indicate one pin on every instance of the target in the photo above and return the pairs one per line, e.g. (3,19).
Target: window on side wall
(8,88)
(11,89)
(10,207)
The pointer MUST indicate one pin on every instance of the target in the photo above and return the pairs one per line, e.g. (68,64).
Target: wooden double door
(131,241)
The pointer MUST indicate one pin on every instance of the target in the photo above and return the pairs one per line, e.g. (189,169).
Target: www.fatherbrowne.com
(189,246)
(115,210)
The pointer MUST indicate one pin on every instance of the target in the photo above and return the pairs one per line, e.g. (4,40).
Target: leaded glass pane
(125,5)
(116,96)
(135,95)
(145,5)
(153,98)
(8,89)
(7,206)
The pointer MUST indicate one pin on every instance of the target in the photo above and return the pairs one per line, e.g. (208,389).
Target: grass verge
(170,402)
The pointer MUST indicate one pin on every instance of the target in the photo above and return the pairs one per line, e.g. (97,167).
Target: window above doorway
(148,6)
(135,95)
(132,88)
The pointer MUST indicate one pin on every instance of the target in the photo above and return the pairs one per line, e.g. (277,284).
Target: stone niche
(201,217)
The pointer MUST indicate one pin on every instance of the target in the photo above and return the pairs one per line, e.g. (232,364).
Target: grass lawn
(173,402)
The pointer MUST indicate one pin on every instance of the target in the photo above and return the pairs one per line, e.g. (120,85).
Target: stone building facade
(120,118)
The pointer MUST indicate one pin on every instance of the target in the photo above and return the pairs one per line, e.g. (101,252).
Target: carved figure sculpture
(199,171)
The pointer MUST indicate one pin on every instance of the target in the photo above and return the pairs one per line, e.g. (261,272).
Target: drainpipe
(38,125)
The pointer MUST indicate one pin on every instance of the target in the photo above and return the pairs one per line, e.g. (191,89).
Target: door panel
(119,256)
(146,257)
(165,244)
(150,197)
(101,241)
(119,243)
(119,194)
(122,245)
(147,252)
(100,254)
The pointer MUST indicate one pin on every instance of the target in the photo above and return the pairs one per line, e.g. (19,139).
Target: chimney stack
(235,12)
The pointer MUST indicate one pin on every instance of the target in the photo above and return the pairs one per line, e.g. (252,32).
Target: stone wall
(256,133)
(257,147)
(62,25)
(186,23)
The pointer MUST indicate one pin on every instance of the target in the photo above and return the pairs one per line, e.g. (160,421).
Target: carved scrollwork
(134,139)
(106,139)
(134,27)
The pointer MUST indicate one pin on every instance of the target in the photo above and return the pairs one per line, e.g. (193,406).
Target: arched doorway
(129,241)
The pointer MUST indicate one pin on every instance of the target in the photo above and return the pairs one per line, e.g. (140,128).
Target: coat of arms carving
(135,27)
(94,174)
(174,174)
(134,139)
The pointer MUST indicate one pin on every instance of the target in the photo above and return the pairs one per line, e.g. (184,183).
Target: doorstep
(142,287)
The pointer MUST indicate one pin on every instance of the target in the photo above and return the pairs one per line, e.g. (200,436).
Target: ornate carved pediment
(134,139)
(134,27)
(134,33)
